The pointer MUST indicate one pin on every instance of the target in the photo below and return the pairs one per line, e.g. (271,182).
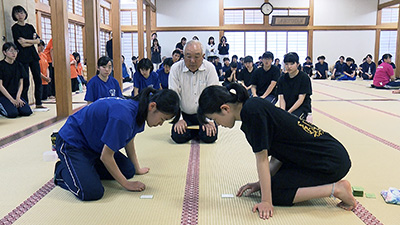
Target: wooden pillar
(62,72)
(91,38)
(221,21)
(378,34)
(148,31)
(116,43)
(310,46)
(397,62)
(140,28)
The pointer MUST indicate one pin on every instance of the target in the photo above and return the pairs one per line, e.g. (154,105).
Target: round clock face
(267,8)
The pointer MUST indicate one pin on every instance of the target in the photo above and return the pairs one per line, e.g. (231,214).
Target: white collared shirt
(189,85)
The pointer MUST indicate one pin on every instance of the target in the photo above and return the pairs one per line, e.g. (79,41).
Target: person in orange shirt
(48,51)
(74,74)
(44,70)
(79,69)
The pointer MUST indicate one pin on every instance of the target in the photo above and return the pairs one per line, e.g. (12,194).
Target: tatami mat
(365,128)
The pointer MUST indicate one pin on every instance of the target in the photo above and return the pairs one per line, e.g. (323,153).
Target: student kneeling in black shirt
(306,162)
(11,82)
(294,88)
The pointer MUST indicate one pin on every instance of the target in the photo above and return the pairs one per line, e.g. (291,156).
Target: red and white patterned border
(190,209)
(365,215)
(11,217)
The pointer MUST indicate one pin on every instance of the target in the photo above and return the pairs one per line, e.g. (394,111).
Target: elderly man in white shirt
(188,78)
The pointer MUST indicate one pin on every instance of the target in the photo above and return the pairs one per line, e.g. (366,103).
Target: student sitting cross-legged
(145,77)
(102,85)
(368,68)
(11,83)
(384,76)
(349,70)
(294,88)
(306,162)
(89,143)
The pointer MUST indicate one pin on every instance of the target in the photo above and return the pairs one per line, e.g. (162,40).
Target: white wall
(384,1)
(332,44)
(345,12)
(168,40)
(178,13)
(242,3)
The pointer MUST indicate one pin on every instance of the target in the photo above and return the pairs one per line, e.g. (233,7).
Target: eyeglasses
(13,50)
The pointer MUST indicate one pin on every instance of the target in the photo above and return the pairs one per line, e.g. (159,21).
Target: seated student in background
(246,73)
(306,162)
(44,70)
(264,79)
(321,68)
(231,74)
(11,84)
(102,85)
(145,77)
(225,67)
(384,76)
(259,63)
(134,63)
(349,70)
(368,68)
(163,72)
(308,66)
(79,69)
(294,88)
(125,75)
(235,59)
(278,64)
(218,68)
(91,153)
(338,69)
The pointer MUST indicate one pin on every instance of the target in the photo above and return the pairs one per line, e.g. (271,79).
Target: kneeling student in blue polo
(145,77)
(88,144)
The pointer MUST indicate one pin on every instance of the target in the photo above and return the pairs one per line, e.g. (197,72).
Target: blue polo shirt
(140,82)
(163,77)
(108,121)
(96,88)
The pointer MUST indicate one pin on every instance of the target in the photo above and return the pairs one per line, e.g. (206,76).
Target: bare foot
(396,91)
(344,193)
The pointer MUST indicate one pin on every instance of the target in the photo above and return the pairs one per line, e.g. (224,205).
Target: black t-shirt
(349,69)
(291,88)
(262,79)
(245,76)
(11,74)
(28,54)
(288,138)
(307,67)
(228,74)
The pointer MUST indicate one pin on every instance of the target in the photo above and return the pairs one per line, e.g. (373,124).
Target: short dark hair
(291,57)
(223,37)
(349,59)
(226,59)
(8,45)
(145,64)
(341,57)
(369,55)
(76,54)
(183,39)
(268,55)
(133,58)
(248,59)
(176,51)
(386,56)
(234,57)
(17,9)
(308,57)
(322,57)
(233,65)
(104,61)
(168,62)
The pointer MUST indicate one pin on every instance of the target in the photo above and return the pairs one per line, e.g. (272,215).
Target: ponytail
(213,97)
(167,102)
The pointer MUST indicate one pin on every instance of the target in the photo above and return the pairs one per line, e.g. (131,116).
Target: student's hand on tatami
(210,129)
(180,127)
(142,170)
(252,187)
(134,186)
(265,209)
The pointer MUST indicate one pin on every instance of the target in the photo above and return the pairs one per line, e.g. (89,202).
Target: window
(126,18)
(71,32)
(45,1)
(70,6)
(129,46)
(46,29)
(282,42)
(255,44)
(107,16)
(387,43)
(390,15)
(76,38)
(104,37)
(243,16)
(236,43)
(78,7)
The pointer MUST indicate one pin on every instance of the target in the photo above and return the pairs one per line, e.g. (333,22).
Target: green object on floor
(358,191)
(370,195)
